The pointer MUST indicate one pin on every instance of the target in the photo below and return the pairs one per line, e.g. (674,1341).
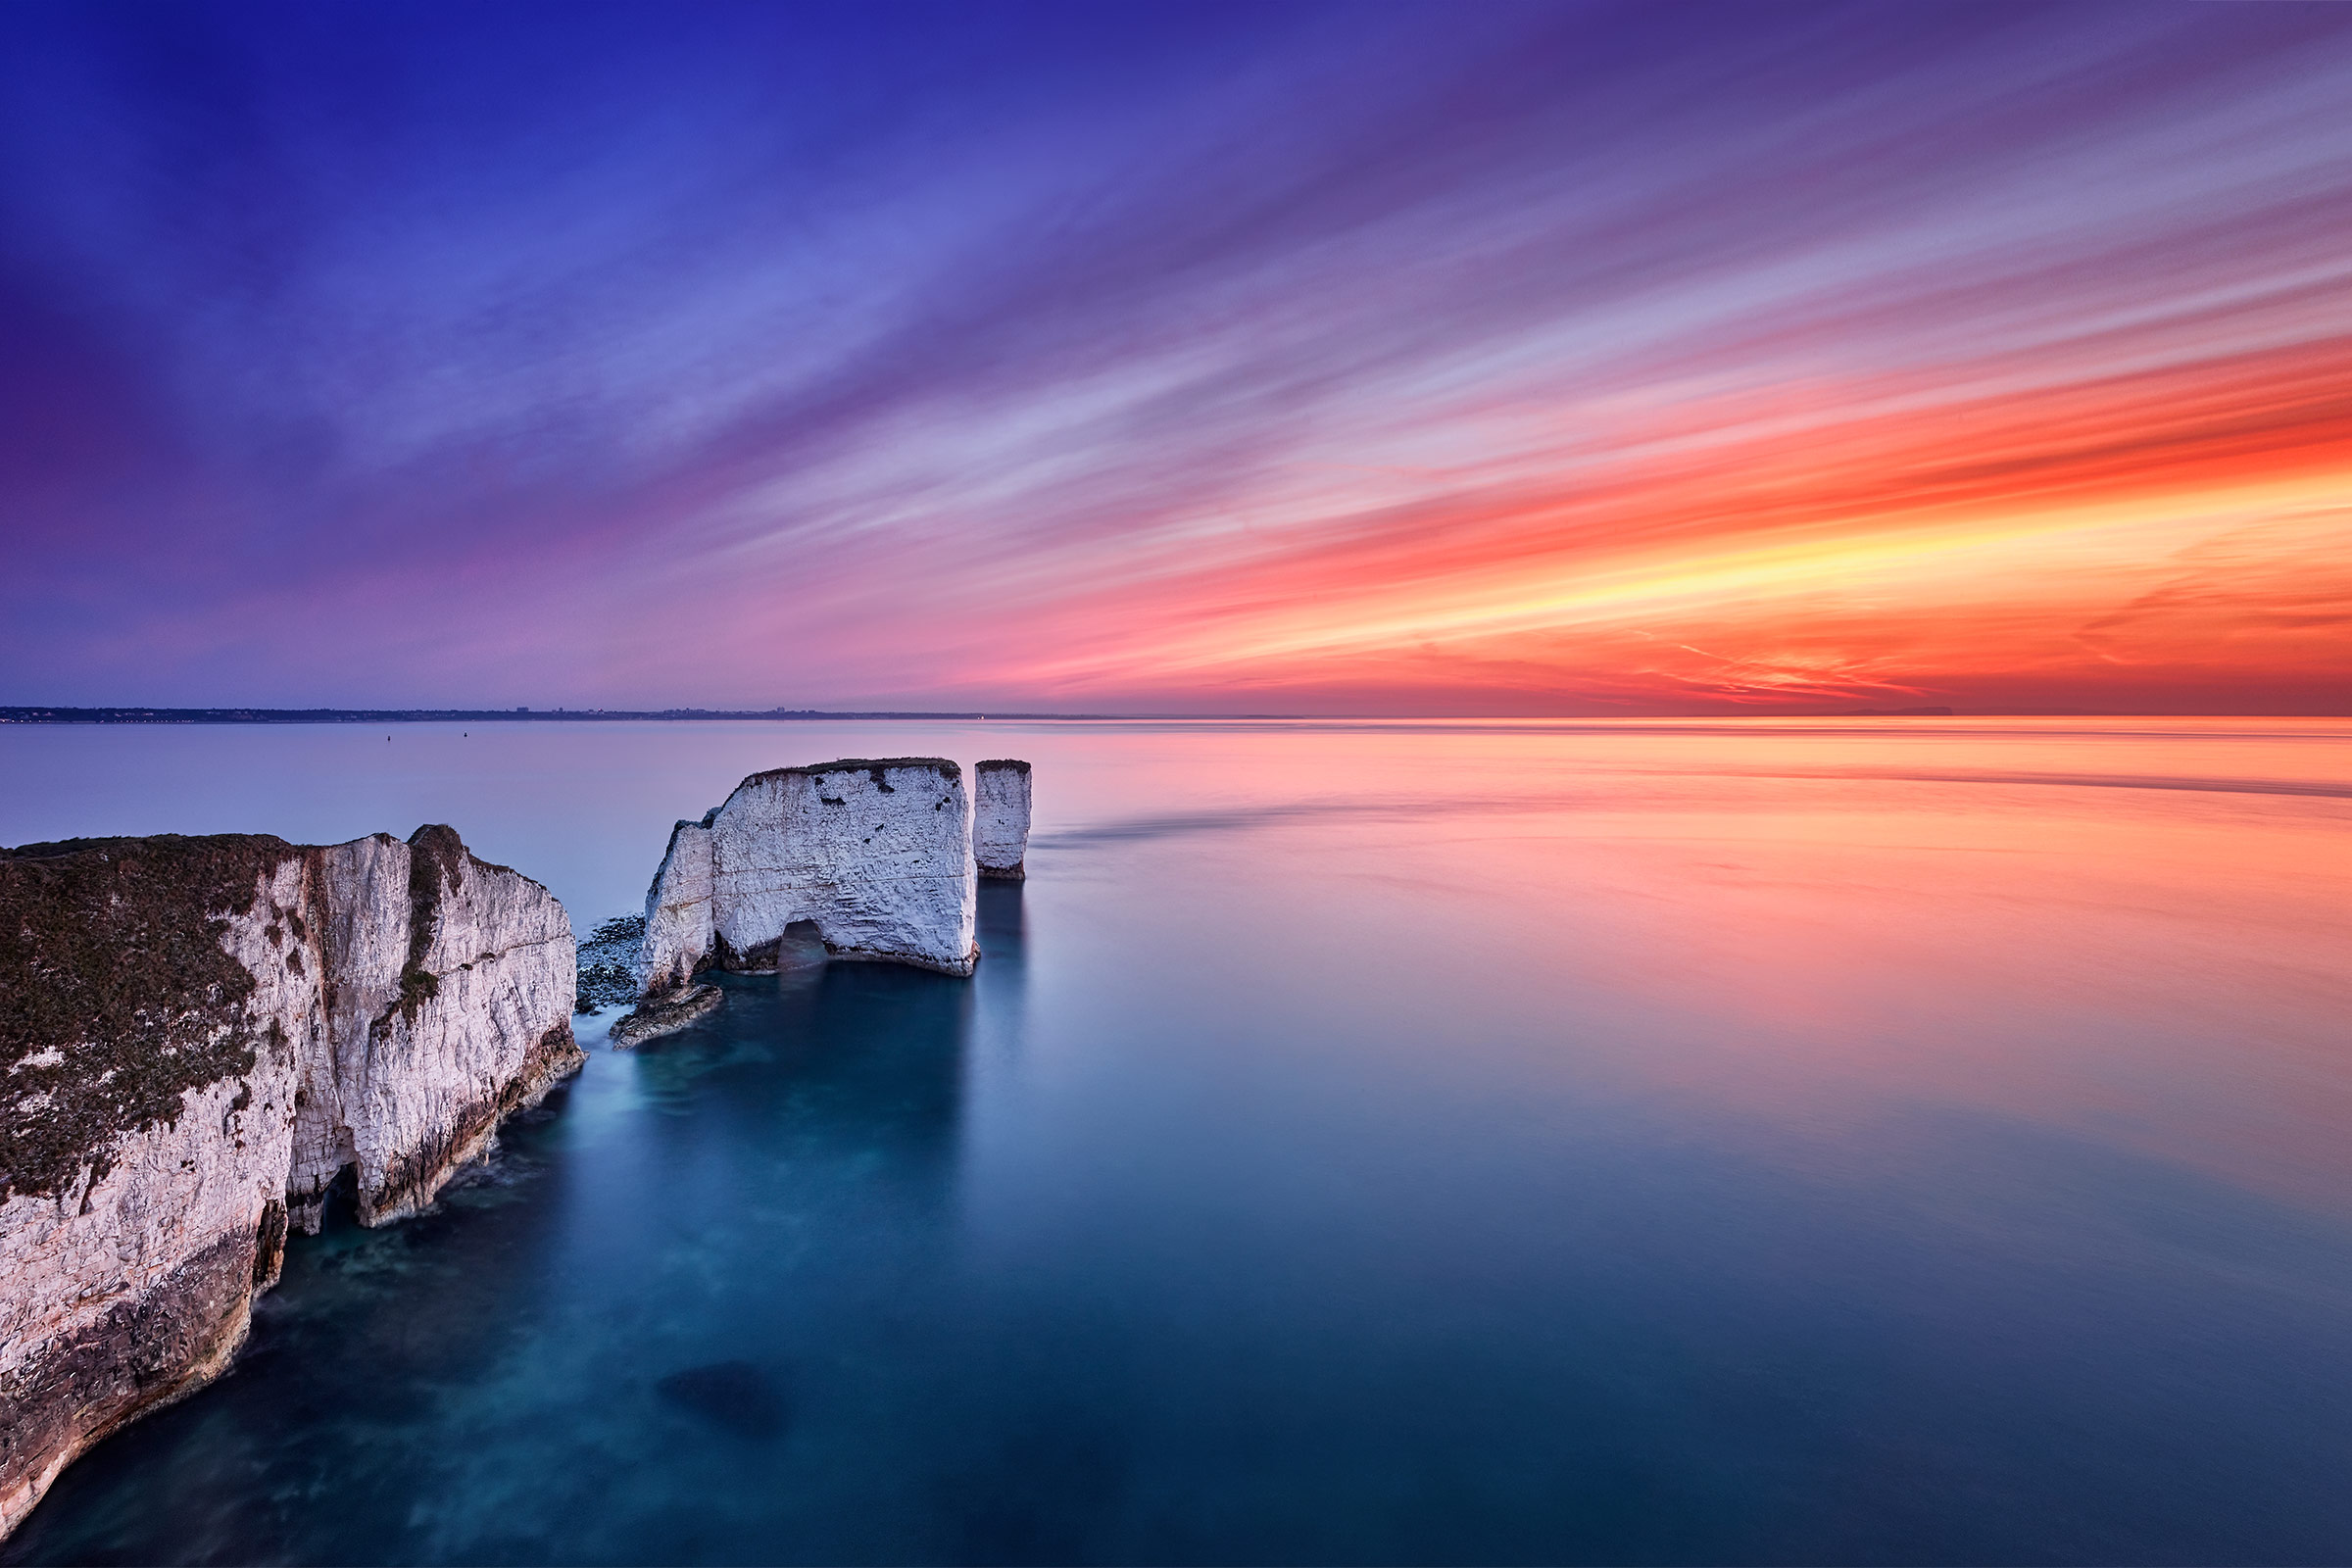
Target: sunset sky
(1459,358)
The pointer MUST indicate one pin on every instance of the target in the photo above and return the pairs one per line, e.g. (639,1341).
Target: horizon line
(142,714)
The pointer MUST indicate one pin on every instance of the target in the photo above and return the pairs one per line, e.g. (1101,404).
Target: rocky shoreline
(199,1036)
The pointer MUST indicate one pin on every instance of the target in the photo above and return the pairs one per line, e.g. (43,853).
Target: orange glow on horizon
(2138,541)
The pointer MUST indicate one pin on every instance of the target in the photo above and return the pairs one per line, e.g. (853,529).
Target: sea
(1889,1141)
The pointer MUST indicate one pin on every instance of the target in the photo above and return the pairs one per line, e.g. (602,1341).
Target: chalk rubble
(196,1037)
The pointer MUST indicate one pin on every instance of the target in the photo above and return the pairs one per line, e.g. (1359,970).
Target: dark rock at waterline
(735,1396)
(665,1015)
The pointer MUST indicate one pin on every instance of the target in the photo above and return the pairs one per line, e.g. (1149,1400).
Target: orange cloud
(2181,535)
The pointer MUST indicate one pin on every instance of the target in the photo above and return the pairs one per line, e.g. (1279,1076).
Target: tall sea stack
(1000,819)
(197,1034)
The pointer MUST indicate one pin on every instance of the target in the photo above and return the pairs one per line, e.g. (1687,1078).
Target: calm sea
(1876,1140)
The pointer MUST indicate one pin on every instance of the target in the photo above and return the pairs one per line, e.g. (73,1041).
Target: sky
(1475,359)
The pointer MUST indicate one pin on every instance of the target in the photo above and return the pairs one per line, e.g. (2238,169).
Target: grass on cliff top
(115,994)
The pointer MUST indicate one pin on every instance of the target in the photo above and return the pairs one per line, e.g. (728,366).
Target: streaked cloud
(1482,360)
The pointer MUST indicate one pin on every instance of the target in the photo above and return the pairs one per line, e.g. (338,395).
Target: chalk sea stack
(197,1036)
(1000,819)
(876,855)
(875,859)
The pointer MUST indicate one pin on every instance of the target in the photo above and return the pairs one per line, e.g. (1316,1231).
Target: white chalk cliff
(876,855)
(196,1036)
(1000,817)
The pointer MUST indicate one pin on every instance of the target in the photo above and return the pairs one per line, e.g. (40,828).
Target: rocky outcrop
(197,1034)
(876,855)
(665,1014)
(1000,817)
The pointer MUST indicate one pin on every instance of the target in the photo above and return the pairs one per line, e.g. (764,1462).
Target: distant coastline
(56,715)
(456,715)
(576,715)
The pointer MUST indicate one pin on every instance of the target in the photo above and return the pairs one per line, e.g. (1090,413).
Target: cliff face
(195,1036)
(877,853)
(1000,817)
(450,1007)
(677,911)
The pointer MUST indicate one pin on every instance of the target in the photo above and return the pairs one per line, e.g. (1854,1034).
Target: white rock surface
(878,854)
(406,1093)
(1000,817)
(677,912)
(404,998)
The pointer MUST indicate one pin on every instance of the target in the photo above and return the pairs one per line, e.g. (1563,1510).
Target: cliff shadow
(1000,985)
(1002,921)
(822,1057)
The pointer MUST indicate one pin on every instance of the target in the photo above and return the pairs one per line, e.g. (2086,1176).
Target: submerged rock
(1000,819)
(737,1396)
(197,1034)
(665,1014)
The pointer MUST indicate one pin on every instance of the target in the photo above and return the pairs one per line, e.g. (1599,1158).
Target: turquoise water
(1360,1143)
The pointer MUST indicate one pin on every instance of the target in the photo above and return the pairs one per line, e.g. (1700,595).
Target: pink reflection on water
(2134,931)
